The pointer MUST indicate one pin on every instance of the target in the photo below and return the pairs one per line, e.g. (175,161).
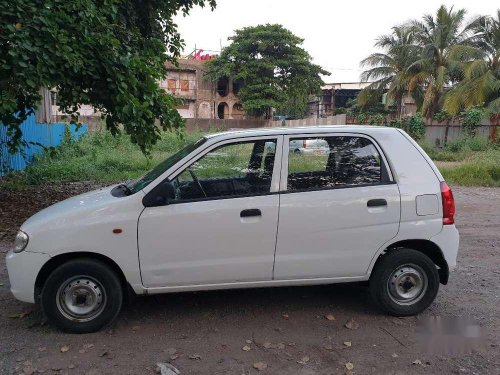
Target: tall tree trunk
(399,106)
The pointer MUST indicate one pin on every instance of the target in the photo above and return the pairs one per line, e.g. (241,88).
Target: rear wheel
(404,282)
(81,296)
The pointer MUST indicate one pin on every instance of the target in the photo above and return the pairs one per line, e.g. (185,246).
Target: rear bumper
(23,269)
(448,241)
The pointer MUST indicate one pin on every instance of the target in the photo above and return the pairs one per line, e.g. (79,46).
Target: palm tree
(481,81)
(439,39)
(389,70)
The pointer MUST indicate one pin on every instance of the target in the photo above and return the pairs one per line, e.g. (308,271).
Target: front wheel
(404,282)
(82,296)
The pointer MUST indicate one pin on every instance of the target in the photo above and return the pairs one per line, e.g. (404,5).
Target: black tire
(392,279)
(89,284)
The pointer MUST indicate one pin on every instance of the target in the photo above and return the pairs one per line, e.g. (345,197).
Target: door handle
(250,212)
(376,203)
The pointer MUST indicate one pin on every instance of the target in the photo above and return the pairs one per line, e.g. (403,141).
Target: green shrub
(361,118)
(441,116)
(471,119)
(413,125)
(396,123)
(377,119)
(416,126)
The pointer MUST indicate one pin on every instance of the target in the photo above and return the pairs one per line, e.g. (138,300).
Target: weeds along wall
(36,137)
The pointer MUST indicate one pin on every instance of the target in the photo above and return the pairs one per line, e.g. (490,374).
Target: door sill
(252,284)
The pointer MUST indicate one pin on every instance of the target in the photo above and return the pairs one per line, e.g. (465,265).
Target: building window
(172,85)
(223,86)
(184,85)
(223,110)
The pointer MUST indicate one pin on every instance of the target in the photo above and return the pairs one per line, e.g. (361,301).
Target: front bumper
(448,241)
(23,268)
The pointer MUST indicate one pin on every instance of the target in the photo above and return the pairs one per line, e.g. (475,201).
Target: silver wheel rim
(407,284)
(81,298)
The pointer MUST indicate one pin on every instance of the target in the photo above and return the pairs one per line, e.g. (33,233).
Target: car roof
(235,133)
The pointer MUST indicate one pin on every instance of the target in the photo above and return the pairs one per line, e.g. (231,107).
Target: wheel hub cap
(81,298)
(407,284)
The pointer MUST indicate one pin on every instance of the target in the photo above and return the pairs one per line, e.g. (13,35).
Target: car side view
(244,209)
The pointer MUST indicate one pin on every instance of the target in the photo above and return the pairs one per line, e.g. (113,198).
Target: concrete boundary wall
(218,124)
(435,134)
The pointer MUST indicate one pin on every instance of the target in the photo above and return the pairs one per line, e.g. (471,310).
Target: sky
(337,34)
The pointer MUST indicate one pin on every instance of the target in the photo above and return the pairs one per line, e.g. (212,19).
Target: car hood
(83,204)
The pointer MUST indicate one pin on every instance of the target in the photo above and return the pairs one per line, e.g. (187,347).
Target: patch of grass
(459,150)
(479,169)
(97,157)
(477,161)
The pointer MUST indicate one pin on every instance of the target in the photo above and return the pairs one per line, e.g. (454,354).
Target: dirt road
(287,330)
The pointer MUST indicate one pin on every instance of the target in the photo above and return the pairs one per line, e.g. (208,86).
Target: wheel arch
(60,259)
(426,247)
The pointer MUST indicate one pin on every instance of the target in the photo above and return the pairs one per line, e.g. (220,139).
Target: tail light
(448,204)
(304,144)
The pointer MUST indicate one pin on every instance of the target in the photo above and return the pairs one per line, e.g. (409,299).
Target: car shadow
(352,298)
(234,306)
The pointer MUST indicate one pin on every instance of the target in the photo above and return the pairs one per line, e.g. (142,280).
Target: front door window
(231,170)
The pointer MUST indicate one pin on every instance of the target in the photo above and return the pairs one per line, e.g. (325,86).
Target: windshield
(157,171)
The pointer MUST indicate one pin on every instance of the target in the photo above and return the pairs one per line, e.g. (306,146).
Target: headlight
(20,242)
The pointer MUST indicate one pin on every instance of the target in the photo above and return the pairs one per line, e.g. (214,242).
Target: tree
(440,39)
(276,72)
(481,81)
(389,69)
(107,53)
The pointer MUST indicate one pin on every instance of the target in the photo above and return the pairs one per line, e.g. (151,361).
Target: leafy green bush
(471,119)
(396,123)
(377,119)
(413,125)
(416,126)
(441,116)
(361,118)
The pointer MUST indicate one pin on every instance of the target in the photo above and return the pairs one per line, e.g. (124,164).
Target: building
(337,95)
(201,97)
(333,96)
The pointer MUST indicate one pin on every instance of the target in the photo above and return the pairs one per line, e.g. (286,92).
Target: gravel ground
(300,330)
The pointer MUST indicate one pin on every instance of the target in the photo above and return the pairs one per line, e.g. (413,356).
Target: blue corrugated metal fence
(45,134)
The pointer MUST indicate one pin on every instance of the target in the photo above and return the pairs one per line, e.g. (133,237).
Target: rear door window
(328,162)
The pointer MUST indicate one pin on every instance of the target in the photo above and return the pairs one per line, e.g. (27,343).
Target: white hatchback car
(238,210)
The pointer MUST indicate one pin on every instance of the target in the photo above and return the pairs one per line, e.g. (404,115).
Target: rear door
(337,208)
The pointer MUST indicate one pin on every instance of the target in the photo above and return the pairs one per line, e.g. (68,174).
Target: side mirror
(161,195)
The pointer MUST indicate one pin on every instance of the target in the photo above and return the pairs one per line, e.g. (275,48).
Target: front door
(339,205)
(221,226)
